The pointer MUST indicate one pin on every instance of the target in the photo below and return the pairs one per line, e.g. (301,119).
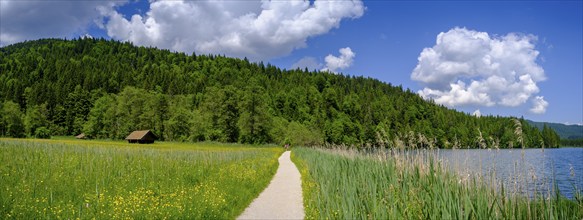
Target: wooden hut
(142,137)
(81,136)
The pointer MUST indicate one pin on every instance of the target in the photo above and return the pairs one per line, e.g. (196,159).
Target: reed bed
(113,180)
(398,184)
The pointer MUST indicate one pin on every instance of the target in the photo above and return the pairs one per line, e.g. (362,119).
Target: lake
(524,171)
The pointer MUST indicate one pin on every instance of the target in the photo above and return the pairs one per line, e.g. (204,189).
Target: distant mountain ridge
(564,131)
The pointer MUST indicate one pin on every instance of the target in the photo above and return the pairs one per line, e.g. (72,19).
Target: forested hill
(564,131)
(107,89)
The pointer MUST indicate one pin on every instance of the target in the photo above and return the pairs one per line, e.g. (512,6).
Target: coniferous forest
(106,89)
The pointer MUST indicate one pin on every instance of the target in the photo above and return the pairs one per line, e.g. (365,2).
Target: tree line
(107,89)
(572,142)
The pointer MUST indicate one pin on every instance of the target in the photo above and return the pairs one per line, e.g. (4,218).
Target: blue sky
(515,58)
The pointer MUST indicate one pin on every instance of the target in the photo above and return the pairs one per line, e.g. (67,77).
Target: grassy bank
(68,179)
(340,184)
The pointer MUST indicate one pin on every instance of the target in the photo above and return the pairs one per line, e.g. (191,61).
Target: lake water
(524,171)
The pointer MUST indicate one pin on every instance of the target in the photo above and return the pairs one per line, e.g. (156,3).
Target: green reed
(344,184)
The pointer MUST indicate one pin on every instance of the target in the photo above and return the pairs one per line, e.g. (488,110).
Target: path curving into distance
(282,199)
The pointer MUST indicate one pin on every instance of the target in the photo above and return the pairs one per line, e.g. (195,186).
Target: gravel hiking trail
(282,199)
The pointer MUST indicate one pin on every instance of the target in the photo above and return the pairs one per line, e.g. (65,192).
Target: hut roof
(138,135)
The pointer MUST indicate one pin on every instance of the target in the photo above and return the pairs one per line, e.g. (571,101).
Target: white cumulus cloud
(467,67)
(29,20)
(334,63)
(307,62)
(477,113)
(254,29)
(539,105)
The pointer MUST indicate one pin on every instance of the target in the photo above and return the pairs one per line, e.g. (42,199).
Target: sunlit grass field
(344,184)
(67,179)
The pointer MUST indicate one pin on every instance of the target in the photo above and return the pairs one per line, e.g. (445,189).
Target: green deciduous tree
(221,112)
(300,135)
(254,122)
(35,117)
(12,119)
(178,126)
(99,121)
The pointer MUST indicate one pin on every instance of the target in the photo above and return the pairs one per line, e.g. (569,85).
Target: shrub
(42,132)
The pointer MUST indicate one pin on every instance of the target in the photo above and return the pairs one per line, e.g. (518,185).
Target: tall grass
(342,184)
(113,180)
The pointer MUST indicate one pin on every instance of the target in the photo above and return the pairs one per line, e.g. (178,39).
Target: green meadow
(345,184)
(66,179)
(97,179)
